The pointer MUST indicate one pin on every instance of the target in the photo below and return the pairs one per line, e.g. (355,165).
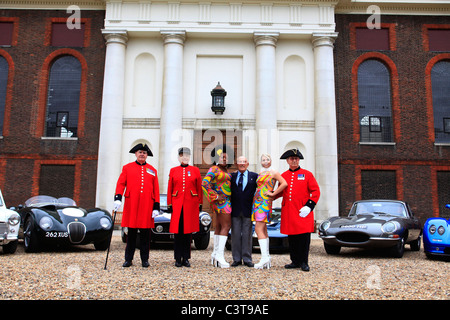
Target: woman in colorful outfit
(216,187)
(262,206)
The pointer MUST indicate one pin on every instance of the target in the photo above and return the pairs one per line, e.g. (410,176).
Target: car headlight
(14,220)
(432,229)
(46,223)
(441,230)
(159,228)
(389,227)
(324,225)
(205,220)
(105,223)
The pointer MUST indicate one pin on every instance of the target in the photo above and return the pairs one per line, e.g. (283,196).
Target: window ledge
(442,144)
(377,143)
(60,138)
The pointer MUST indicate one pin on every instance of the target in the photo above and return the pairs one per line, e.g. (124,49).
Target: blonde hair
(267,156)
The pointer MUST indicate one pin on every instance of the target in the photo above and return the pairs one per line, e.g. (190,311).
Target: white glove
(155,213)
(117,205)
(304,211)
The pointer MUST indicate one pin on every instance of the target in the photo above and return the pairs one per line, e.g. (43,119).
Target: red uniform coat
(185,192)
(141,186)
(302,186)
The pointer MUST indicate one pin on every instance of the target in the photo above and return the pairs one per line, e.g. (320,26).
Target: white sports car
(9,227)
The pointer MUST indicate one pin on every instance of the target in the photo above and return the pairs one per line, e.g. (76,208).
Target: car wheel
(30,238)
(415,245)
(330,249)
(10,247)
(203,242)
(398,250)
(102,245)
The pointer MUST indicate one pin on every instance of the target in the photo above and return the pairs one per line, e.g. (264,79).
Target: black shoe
(249,264)
(304,266)
(127,264)
(292,266)
(186,263)
(178,264)
(145,264)
(236,263)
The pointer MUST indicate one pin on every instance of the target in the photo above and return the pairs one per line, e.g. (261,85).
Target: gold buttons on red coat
(142,179)
(291,185)
(184,178)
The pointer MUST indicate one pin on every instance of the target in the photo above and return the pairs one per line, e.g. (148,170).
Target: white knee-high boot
(216,245)
(220,260)
(265,257)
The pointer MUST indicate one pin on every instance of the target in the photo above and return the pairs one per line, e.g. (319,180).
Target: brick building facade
(412,164)
(33,159)
(400,150)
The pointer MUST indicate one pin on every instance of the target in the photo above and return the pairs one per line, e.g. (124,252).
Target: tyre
(398,250)
(11,247)
(330,249)
(31,242)
(203,242)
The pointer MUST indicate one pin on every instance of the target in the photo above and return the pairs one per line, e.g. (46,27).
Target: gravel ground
(354,274)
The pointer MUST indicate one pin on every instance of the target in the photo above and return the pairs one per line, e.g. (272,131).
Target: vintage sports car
(436,237)
(386,224)
(160,233)
(277,240)
(47,221)
(9,228)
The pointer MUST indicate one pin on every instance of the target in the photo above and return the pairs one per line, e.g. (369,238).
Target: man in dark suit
(243,187)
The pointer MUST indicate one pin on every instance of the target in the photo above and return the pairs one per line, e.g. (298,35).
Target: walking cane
(107,254)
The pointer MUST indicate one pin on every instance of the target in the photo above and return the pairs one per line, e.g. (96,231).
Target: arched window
(374,99)
(3,86)
(440,86)
(63,98)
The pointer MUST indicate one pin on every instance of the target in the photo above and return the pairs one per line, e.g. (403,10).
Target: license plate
(56,234)
(354,226)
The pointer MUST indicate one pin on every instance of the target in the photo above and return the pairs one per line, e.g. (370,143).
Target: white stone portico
(274,59)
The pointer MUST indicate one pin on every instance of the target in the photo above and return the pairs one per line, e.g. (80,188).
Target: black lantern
(218,99)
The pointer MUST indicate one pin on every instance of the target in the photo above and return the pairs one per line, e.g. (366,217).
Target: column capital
(115,36)
(323,39)
(174,36)
(266,38)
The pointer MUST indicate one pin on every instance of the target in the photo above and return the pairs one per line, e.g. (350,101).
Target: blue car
(436,237)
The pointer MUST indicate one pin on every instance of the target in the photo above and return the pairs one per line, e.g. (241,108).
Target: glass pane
(3,86)
(63,98)
(374,95)
(440,86)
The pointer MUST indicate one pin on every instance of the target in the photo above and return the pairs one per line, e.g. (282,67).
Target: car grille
(352,237)
(77,231)
(3,230)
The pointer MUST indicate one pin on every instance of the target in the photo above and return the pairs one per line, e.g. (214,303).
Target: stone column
(266,109)
(325,126)
(172,105)
(110,143)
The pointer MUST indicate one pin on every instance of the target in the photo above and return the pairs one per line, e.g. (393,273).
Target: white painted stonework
(274,59)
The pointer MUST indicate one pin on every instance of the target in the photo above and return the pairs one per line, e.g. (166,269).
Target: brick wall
(414,157)
(22,149)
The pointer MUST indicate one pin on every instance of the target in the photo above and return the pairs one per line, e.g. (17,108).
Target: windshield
(39,201)
(379,207)
(276,215)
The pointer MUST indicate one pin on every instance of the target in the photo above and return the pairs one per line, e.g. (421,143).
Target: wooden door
(204,142)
